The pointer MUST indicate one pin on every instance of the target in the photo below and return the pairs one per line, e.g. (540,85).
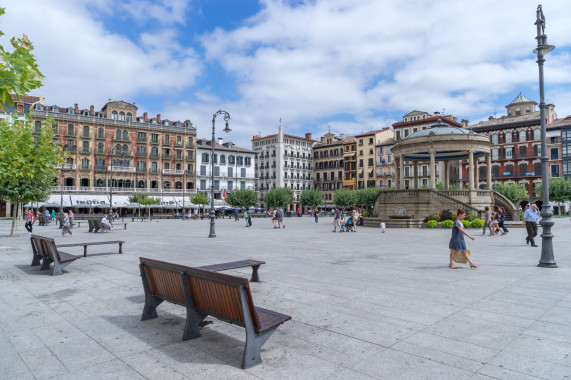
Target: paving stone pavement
(364,305)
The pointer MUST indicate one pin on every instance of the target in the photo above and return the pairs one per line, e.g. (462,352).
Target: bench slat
(269,318)
(231,265)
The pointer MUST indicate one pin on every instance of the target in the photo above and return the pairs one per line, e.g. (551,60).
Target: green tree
(145,200)
(515,192)
(135,198)
(344,198)
(29,161)
(242,198)
(200,199)
(279,197)
(559,191)
(311,197)
(366,197)
(19,72)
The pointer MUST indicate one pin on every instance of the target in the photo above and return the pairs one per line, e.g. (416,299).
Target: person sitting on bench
(106,225)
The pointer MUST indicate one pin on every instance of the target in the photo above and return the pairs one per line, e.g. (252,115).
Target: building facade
(116,150)
(385,168)
(283,160)
(367,157)
(350,163)
(516,151)
(329,168)
(233,168)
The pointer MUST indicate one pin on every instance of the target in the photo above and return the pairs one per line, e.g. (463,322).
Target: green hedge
(477,223)
(447,224)
(431,223)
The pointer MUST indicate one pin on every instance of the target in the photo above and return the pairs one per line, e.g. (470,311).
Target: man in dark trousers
(530,218)
(236,215)
(336,219)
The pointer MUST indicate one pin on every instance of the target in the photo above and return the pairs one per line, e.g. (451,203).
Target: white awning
(86,201)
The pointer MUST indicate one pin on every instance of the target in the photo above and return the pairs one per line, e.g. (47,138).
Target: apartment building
(233,168)
(328,163)
(283,160)
(367,157)
(384,164)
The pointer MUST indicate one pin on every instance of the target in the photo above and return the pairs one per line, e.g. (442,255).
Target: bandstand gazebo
(438,146)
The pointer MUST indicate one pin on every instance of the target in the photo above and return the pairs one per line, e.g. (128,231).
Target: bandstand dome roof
(445,141)
(439,128)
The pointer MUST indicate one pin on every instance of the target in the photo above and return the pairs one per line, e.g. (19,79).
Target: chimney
(75,108)
(308,136)
(145,117)
(322,139)
(219,140)
(91,111)
(158,118)
(464,123)
(436,113)
(255,137)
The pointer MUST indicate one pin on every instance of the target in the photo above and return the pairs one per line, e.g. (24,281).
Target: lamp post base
(212,231)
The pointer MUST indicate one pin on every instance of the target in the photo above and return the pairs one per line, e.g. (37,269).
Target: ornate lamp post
(547,258)
(183,195)
(226,129)
(111,187)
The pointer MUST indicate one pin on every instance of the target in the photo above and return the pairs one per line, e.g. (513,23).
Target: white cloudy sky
(353,65)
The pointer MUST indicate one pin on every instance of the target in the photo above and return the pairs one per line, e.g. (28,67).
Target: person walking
(336,219)
(316,215)
(281,217)
(383,226)
(530,218)
(54,214)
(246,217)
(487,221)
(236,214)
(71,216)
(65,225)
(457,242)
(29,221)
(355,218)
(502,219)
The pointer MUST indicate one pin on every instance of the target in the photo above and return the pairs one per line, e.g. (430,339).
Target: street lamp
(226,129)
(111,185)
(547,259)
(183,195)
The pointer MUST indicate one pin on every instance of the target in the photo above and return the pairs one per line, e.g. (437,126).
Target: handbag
(460,258)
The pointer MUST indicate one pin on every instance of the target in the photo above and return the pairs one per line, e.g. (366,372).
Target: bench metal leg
(193,323)
(58,267)
(151,301)
(255,277)
(254,341)
(46,263)
(36,259)
(120,247)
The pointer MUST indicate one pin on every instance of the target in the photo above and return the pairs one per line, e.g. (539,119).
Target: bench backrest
(215,294)
(45,246)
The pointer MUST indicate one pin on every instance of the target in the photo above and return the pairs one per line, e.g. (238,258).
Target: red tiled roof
(447,119)
(372,132)
(26,99)
(558,123)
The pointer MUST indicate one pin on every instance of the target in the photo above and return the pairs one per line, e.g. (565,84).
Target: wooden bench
(95,225)
(204,293)
(45,249)
(234,265)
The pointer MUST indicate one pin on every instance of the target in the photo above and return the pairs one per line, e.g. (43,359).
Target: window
(154,167)
(522,151)
(205,157)
(100,147)
(222,159)
(508,137)
(217,171)
(167,139)
(495,153)
(70,130)
(509,171)
(243,172)
(86,131)
(371,162)
(125,135)
(202,170)
(494,139)
(517,111)
(154,138)
(509,153)
(361,163)
(527,109)
(537,150)
(370,140)
(114,115)
(85,146)
(179,140)
(215,158)
(522,169)
(216,184)
(230,171)
(537,134)
(243,185)
(141,165)
(122,115)
(495,171)
(85,163)
(554,153)
(230,185)
(202,184)
(537,168)
(129,116)
(189,168)
(240,160)
(554,140)
(118,134)
(231,160)
(248,161)
(522,135)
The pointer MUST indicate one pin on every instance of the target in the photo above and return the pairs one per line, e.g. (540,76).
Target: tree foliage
(135,198)
(145,200)
(559,190)
(344,198)
(515,192)
(366,197)
(242,198)
(311,197)
(279,197)
(28,160)
(19,72)
(200,199)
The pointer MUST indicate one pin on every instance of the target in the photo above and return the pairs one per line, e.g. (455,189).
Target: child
(383,226)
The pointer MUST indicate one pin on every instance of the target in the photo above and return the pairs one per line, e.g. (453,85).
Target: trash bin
(288,214)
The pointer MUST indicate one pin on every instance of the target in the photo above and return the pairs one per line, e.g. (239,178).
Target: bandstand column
(471,170)
(447,175)
(415,165)
(432,170)
(396,172)
(401,172)
(476,174)
(489,171)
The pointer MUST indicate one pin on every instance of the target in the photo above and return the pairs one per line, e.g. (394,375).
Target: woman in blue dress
(457,242)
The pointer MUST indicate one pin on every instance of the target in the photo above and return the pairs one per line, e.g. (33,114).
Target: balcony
(190,145)
(179,157)
(70,149)
(154,171)
(130,169)
(153,155)
(173,171)
(100,168)
(70,134)
(67,167)
(85,168)
(100,152)
(167,156)
(189,158)
(142,154)
(85,151)
(141,139)
(166,143)
(85,135)
(121,139)
(141,170)
(154,142)
(100,137)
